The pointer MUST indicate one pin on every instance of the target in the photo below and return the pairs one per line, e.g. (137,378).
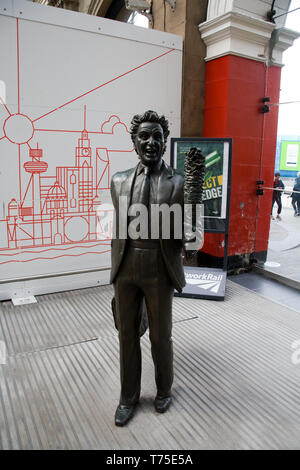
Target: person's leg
(273,200)
(279,204)
(159,296)
(279,208)
(128,300)
(298,206)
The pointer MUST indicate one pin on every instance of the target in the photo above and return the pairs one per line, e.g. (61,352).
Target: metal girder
(99,7)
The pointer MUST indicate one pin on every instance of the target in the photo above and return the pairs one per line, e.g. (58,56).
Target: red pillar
(234,90)
(243,65)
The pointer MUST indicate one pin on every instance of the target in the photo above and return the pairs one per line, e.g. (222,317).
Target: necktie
(145,189)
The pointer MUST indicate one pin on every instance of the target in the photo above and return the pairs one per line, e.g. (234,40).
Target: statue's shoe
(162,403)
(123,414)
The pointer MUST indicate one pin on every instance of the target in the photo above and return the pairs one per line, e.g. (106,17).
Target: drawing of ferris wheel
(62,208)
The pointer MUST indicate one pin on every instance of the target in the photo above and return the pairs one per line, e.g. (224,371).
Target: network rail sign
(204,283)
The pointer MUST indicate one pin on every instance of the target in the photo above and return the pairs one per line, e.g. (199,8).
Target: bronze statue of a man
(144,267)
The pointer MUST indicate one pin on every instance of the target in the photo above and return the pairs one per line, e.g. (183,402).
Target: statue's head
(149,133)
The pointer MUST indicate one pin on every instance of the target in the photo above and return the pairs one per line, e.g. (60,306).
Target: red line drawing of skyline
(65,208)
(57,249)
(59,256)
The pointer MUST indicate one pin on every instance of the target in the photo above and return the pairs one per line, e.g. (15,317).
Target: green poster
(214,191)
(290,156)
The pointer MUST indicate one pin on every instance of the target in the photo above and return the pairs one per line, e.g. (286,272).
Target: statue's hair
(149,116)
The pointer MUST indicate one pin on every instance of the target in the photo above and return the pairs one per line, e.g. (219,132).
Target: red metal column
(234,90)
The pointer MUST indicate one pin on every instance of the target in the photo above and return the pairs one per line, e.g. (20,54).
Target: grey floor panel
(269,288)
(38,326)
(235,386)
(61,319)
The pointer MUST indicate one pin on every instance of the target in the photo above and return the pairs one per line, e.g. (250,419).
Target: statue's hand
(190,254)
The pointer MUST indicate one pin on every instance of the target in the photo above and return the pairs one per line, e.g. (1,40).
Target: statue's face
(150,143)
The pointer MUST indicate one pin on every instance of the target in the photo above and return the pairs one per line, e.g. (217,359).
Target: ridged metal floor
(235,385)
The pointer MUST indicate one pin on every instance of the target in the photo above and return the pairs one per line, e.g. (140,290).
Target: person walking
(278,188)
(296,196)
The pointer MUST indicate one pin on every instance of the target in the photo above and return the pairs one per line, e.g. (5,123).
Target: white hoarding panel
(68,92)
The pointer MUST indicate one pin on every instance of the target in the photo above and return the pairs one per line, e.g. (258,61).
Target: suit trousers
(143,274)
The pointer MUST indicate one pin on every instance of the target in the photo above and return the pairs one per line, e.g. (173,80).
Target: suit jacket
(170,191)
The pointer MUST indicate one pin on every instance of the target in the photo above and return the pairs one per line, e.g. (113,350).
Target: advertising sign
(204,283)
(215,190)
(290,156)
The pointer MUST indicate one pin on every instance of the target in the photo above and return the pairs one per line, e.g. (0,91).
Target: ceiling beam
(99,7)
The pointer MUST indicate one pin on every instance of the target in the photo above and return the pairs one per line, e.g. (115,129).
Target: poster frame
(224,226)
(283,164)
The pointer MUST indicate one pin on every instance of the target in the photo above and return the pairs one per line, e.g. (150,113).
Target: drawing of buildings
(58,209)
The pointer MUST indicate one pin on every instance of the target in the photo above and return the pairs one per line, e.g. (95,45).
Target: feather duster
(194,171)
